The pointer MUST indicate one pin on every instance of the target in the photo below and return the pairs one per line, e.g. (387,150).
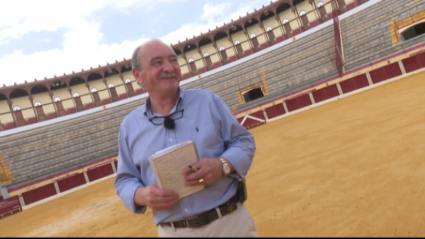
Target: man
(170,116)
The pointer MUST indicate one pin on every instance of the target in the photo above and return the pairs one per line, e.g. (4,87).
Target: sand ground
(354,167)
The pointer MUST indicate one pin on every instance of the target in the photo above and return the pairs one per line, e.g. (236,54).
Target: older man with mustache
(170,116)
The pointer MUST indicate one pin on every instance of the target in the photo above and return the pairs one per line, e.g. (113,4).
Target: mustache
(167,75)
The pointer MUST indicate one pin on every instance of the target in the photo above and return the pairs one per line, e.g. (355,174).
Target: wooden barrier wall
(38,194)
(99,171)
(10,206)
(355,83)
(325,93)
(71,182)
(414,62)
(256,117)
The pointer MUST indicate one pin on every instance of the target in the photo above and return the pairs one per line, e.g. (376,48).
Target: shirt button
(171,140)
(186,210)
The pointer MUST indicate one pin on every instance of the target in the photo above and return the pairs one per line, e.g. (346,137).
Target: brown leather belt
(205,217)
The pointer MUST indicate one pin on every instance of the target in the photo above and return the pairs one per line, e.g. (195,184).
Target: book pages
(168,163)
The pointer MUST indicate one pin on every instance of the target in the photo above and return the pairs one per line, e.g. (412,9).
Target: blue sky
(43,38)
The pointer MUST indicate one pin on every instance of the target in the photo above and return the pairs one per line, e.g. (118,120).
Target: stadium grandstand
(61,133)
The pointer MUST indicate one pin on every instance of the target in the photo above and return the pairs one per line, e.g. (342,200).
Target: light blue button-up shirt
(209,123)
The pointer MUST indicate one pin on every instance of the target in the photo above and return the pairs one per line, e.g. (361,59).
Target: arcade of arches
(41,100)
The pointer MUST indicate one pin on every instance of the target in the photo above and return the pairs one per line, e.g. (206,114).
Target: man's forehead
(157,49)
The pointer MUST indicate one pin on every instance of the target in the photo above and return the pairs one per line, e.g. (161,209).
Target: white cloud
(56,62)
(212,16)
(23,16)
(17,20)
(83,46)
(86,36)
(4,42)
(142,5)
(211,12)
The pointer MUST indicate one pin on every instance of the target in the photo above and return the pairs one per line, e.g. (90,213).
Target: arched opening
(189,47)
(76,81)
(253,94)
(178,52)
(204,42)
(219,35)
(284,6)
(296,2)
(94,76)
(266,15)
(251,22)
(18,93)
(111,72)
(413,31)
(58,85)
(234,29)
(126,67)
(38,89)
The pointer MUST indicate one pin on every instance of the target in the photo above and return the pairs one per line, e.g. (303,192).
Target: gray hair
(135,64)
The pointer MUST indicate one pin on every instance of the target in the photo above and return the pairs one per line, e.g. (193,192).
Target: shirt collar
(148,111)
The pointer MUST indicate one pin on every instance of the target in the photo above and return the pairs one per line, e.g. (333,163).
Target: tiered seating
(42,152)
(289,68)
(369,38)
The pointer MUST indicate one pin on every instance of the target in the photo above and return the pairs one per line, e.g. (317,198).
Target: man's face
(160,69)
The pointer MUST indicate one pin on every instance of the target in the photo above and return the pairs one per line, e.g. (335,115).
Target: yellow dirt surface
(354,167)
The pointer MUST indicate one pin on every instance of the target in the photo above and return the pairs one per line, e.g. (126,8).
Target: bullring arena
(339,143)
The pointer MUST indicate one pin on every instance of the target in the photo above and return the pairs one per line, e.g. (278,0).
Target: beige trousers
(236,224)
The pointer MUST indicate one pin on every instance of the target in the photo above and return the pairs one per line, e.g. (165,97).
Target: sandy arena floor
(354,167)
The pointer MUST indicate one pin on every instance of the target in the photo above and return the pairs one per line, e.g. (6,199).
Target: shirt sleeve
(240,145)
(128,175)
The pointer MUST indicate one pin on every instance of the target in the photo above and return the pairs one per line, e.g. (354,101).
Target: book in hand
(168,163)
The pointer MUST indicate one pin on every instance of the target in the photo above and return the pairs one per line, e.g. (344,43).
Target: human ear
(137,76)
